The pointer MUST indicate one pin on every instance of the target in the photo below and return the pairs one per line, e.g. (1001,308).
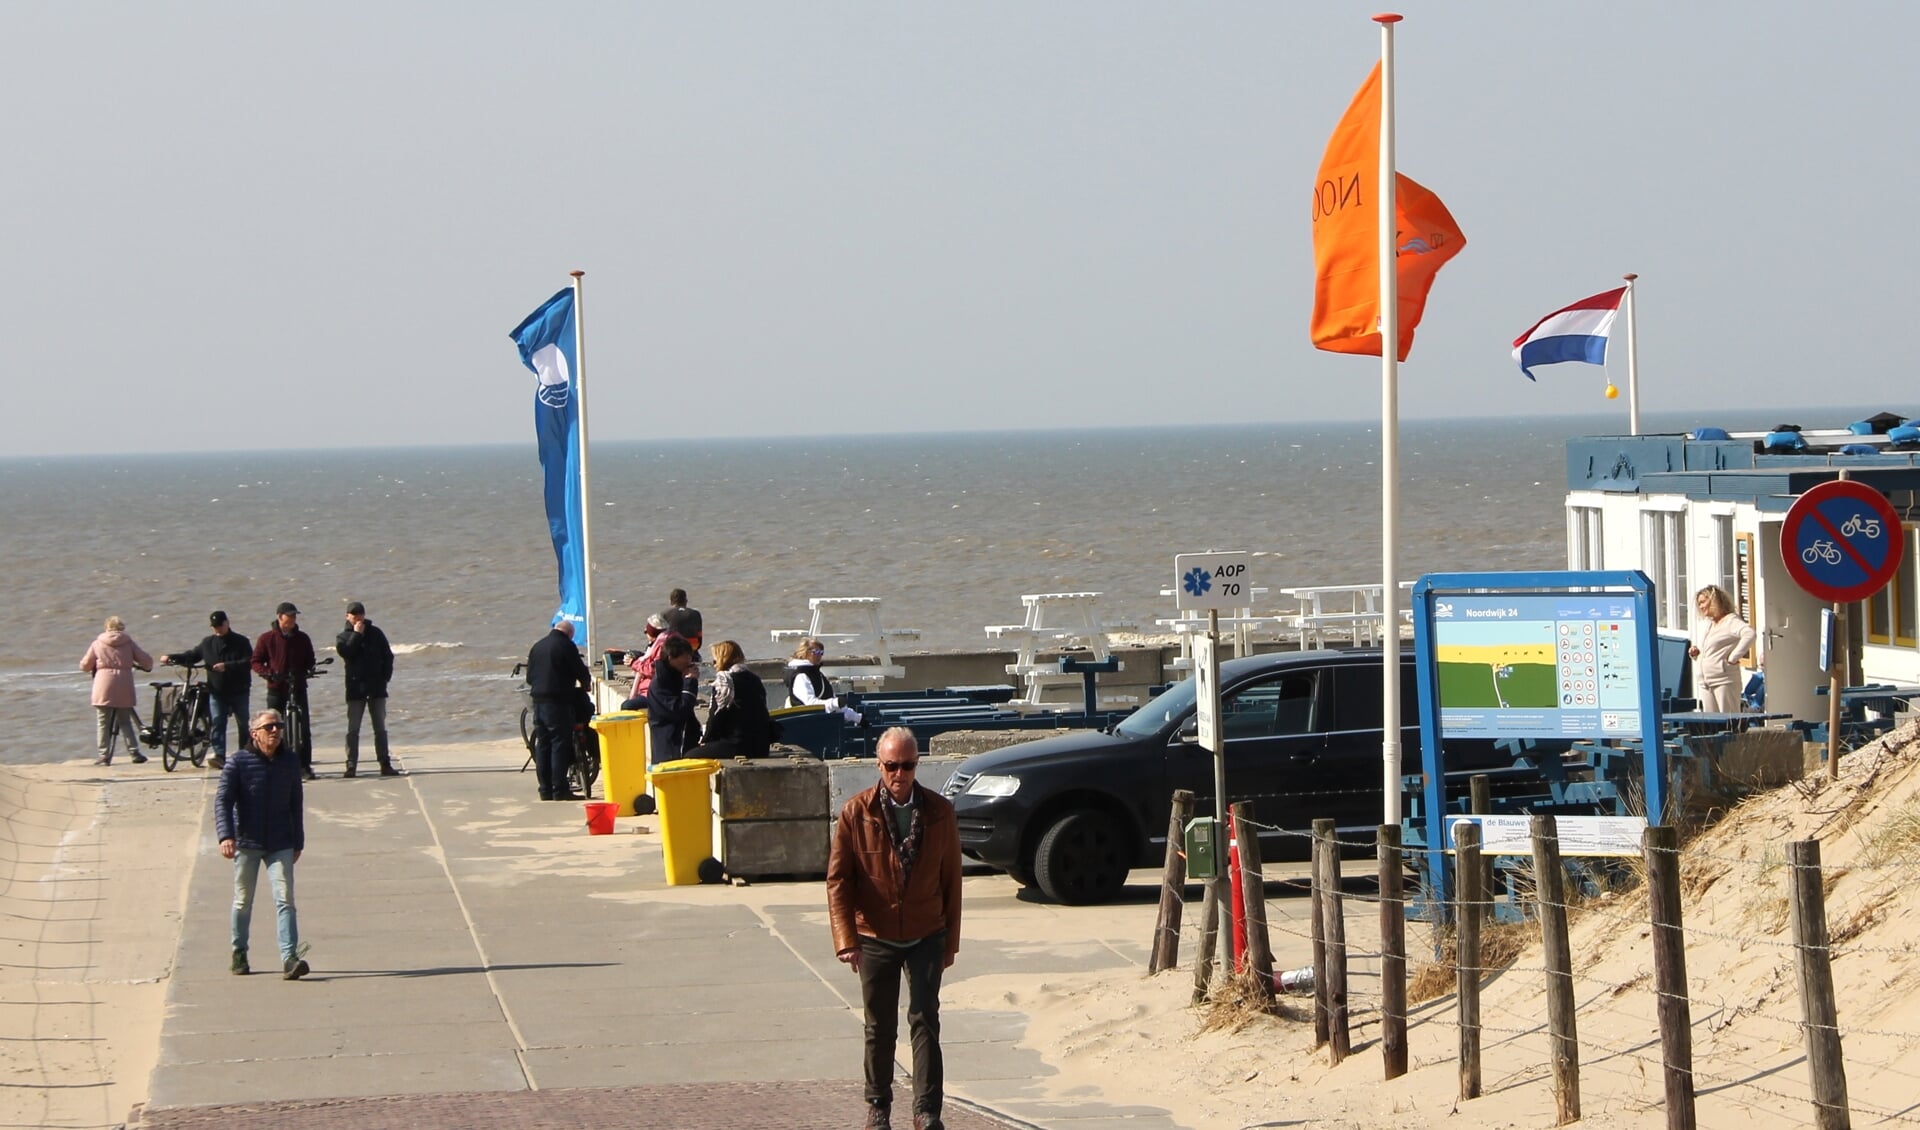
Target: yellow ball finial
(1612,392)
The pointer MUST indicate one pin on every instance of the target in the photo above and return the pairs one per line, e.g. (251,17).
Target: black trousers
(881,967)
(552,747)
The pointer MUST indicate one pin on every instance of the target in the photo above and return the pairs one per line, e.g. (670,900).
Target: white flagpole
(1389,441)
(1633,361)
(586,480)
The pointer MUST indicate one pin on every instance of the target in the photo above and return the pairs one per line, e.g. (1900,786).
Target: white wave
(411,648)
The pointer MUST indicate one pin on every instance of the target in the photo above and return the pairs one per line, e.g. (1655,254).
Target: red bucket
(600,816)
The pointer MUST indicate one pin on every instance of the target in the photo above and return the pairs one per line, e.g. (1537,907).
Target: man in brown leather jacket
(893,895)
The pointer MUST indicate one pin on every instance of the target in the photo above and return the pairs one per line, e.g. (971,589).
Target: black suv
(1302,735)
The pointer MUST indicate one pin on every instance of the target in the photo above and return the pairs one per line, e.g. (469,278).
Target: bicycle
(291,715)
(583,743)
(182,723)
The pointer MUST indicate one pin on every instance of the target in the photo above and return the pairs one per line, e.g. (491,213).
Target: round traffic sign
(1841,541)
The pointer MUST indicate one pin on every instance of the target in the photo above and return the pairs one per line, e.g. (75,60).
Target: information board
(1552,665)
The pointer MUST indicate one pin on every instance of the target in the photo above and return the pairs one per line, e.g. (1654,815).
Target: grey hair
(262,717)
(897,734)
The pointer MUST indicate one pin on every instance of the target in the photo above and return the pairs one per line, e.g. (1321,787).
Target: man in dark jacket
(369,659)
(258,818)
(672,729)
(893,899)
(556,676)
(226,655)
(282,656)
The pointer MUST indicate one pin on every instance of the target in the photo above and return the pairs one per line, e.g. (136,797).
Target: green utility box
(1203,848)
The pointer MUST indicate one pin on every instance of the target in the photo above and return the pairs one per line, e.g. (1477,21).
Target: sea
(449,550)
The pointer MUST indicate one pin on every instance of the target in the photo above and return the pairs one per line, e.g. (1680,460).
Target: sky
(251,226)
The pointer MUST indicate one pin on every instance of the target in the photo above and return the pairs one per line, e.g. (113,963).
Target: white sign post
(1212,580)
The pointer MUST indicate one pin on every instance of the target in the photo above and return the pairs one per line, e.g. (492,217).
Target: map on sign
(1537,665)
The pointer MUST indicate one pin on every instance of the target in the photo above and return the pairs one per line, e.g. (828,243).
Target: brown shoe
(879,1117)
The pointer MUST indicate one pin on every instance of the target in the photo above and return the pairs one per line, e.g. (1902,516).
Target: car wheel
(1081,859)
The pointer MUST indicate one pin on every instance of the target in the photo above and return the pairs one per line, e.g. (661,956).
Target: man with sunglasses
(893,897)
(258,818)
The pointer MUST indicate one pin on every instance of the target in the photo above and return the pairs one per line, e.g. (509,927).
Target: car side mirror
(1189,732)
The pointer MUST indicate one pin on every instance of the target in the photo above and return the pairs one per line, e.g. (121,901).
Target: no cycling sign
(1841,541)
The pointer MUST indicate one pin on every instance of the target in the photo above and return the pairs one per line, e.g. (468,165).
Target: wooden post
(1480,792)
(1253,892)
(1466,952)
(1173,883)
(1393,954)
(1563,1049)
(1317,928)
(1819,1015)
(1333,930)
(1660,846)
(1209,939)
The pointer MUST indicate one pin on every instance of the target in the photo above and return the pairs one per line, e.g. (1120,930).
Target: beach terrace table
(869,637)
(1244,623)
(1332,610)
(1057,620)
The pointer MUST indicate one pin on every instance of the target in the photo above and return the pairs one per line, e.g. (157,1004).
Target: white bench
(870,637)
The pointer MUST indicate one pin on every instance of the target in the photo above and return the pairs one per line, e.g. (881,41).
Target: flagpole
(1633,362)
(1389,441)
(586,496)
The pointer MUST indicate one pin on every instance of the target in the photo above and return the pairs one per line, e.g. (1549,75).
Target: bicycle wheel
(173,735)
(200,728)
(290,729)
(585,767)
(526,727)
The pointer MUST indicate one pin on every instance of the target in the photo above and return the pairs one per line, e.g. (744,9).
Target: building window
(1583,538)
(1723,550)
(1890,612)
(1663,557)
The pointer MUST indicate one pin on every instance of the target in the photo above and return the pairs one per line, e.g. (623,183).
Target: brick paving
(827,1105)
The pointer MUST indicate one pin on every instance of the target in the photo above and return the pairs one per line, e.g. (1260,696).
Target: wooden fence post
(1173,883)
(1253,892)
(1393,954)
(1819,1015)
(1334,932)
(1480,793)
(1563,1051)
(1466,952)
(1209,940)
(1322,840)
(1660,846)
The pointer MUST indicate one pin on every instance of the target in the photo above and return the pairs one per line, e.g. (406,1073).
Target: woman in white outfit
(1716,658)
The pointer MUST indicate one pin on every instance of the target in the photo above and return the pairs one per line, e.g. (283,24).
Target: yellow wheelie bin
(686,816)
(623,759)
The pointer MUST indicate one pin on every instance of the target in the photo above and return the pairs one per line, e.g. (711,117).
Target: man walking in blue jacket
(258,818)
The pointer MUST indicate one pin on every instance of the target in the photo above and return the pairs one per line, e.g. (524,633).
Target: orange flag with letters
(1346,245)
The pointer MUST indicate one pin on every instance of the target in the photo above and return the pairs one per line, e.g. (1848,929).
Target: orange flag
(1346,251)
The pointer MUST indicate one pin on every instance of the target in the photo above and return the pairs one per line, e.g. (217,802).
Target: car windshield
(1175,702)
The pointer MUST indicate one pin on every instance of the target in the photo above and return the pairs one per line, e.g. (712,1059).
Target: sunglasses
(268,726)
(898,766)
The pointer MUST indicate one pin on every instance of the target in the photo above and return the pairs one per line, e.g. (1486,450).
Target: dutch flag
(1577,332)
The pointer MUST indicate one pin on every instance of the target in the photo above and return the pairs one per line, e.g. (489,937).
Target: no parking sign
(1841,541)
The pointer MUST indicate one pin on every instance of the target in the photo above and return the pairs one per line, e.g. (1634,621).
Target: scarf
(905,848)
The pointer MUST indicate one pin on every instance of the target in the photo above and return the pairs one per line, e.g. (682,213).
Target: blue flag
(547,347)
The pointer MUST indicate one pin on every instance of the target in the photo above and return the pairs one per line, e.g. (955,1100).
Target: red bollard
(1239,903)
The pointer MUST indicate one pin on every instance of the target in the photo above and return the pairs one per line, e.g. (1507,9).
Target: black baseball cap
(216,618)
(286,606)
(356,609)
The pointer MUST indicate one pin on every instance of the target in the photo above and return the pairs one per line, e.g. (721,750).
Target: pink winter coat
(111,660)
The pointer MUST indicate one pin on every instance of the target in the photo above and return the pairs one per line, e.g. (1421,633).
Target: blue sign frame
(1626,592)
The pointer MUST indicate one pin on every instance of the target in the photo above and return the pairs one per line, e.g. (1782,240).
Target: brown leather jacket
(863,895)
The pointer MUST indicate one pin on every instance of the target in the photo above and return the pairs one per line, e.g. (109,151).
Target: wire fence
(1746,975)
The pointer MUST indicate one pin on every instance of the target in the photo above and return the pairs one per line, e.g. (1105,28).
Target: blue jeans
(246,875)
(218,711)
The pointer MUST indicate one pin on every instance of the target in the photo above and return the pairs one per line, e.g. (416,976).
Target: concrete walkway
(480,960)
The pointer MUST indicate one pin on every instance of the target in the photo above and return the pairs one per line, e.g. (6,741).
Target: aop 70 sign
(1213,580)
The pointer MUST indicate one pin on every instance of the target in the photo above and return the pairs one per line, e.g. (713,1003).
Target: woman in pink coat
(111,661)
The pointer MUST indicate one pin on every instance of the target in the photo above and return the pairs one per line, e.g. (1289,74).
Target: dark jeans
(880,968)
(277,700)
(376,708)
(552,746)
(219,709)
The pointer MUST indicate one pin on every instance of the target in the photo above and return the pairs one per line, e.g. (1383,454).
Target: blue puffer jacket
(258,803)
